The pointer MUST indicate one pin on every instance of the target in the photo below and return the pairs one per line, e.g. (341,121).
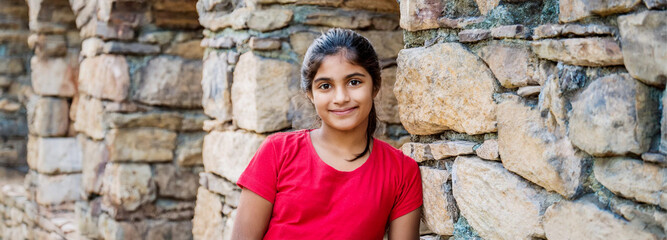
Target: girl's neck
(352,141)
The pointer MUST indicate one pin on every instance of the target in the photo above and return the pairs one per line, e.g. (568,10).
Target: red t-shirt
(312,200)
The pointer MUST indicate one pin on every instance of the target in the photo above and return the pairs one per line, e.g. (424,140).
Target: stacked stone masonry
(133,119)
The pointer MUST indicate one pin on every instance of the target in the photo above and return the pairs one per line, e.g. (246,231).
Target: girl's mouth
(345,111)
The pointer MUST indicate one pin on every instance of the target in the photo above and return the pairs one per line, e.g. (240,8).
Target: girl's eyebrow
(346,77)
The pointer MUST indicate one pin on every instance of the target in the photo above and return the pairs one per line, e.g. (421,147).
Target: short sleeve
(409,195)
(261,174)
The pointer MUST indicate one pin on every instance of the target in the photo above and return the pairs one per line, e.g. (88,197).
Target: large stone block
(439,208)
(386,105)
(229,153)
(95,156)
(55,189)
(497,203)
(54,155)
(170,81)
(189,149)
(244,18)
(644,45)
(111,229)
(592,52)
(89,117)
(445,87)
(13,125)
(54,76)
(216,84)
(176,182)
(387,44)
(527,148)
(128,185)
(261,93)
(614,115)
(141,145)
(269,19)
(622,175)
(585,220)
(513,65)
(105,76)
(48,116)
(208,222)
(573,10)
(337,19)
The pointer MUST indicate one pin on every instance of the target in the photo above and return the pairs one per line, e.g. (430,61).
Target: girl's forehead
(338,64)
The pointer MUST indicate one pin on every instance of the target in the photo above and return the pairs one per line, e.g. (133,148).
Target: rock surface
(216,85)
(488,150)
(228,153)
(128,185)
(439,210)
(592,52)
(614,115)
(573,10)
(513,65)
(141,144)
(454,94)
(170,81)
(644,45)
(621,175)
(54,155)
(55,189)
(497,203)
(208,222)
(386,105)
(48,116)
(54,76)
(175,182)
(105,76)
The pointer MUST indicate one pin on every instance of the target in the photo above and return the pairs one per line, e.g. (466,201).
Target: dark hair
(358,51)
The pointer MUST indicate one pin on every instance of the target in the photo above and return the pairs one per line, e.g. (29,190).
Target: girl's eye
(355,82)
(324,86)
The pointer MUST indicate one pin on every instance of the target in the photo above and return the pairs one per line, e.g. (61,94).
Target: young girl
(337,181)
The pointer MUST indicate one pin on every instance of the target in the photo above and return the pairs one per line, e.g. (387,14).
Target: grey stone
(54,155)
(175,182)
(513,65)
(48,116)
(510,31)
(170,81)
(229,153)
(593,51)
(574,10)
(474,35)
(128,185)
(216,85)
(621,175)
(644,45)
(439,209)
(114,47)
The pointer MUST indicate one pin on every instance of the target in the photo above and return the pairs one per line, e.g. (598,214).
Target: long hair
(357,50)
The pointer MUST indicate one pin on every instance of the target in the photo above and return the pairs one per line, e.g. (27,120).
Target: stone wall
(536,119)
(251,88)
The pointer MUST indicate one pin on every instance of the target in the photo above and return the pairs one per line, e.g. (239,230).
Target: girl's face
(342,94)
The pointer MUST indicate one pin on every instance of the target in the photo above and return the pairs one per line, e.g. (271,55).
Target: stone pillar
(251,85)
(138,116)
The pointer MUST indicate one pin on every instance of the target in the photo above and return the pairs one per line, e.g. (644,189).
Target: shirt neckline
(319,160)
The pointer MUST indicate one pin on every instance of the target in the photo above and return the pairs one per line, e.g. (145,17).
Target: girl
(337,181)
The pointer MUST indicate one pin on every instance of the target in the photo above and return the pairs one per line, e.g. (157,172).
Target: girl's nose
(341,96)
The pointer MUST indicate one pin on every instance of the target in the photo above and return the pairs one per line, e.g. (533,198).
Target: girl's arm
(405,227)
(252,216)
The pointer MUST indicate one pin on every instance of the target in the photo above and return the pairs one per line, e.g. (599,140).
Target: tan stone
(236,20)
(592,52)
(261,93)
(528,91)
(189,149)
(581,219)
(379,5)
(158,119)
(141,144)
(229,153)
(91,47)
(439,209)
(216,85)
(557,30)
(655,4)
(269,19)
(128,185)
(48,116)
(189,50)
(54,76)
(264,43)
(387,44)
(445,149)
(208,222)
(488,150)
(386,105)
(527,148)
(89,117)
(417,151)
(54,155)
(614,115)
(644,46)
(243,18)
(497,203)
(513,65)
(146,229)
(95,156)
(176,182)
(170,81)
(218,185)
(485,6)
(13,152)
(338,19)
(420,14)
(454,94)
(300,41)
(474,35)
(510,31)
(573,10)
(55,189)
(105,76)
(621,175)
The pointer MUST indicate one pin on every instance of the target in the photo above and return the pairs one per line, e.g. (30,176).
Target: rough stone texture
(228,153)
(663,125)
(456,93)
(387,44)
(528,91)
(261,93)
(424,14)
(558,30)
(485,6)
(655,4)
(302,112)
(513,65)
(114,47)
(55,189)
(338,19)
(141,144)
(94,161)
(645,45)
(573,10)
(54,155)
(128,185)
(488,150)
(147,229)
(89,113)
(439,212)
(593,52)
(216,85)
(614,115)
(269,19)
(189,149)
(188,50)
(654,158)
(621,175)
(386,105)
(170,81)
(527,148)
(243,18)
(510,31)
(208,221)
(264,43)
(48,116)
(54,76)
(497,203)
(175,182)
(474,35)
(105,76)
(301,40)
(445,149)
(581,219)
(418,151)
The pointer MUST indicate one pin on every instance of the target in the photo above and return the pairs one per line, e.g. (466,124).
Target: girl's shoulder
(390,153)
